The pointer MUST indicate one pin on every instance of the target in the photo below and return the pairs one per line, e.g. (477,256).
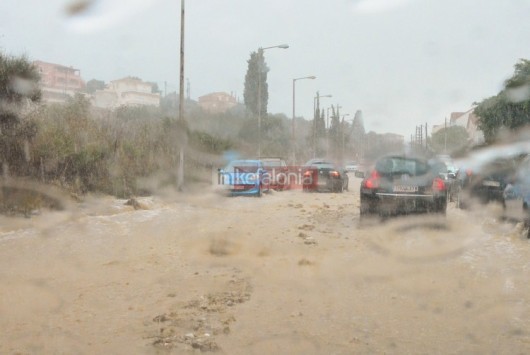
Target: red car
(278,173)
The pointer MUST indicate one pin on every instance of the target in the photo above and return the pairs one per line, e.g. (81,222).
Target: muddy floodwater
(288,273)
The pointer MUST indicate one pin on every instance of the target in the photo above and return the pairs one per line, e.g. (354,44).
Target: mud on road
(289,273)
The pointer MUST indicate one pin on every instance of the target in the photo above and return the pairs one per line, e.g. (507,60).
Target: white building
(126,92)
(469,121)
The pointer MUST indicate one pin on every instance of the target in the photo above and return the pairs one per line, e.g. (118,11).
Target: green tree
(93,85)
(335,135)
(357,135)
(449,140)
(317,138)
(510,108)
(19,81)
(256,82)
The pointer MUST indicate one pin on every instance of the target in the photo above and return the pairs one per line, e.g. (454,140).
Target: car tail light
(373,181)
(438,184)
(334,174)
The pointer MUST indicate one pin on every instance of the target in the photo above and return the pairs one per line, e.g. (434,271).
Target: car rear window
(272,163)
(397,165)
(241,166)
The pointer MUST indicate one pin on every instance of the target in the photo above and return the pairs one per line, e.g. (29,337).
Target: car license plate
(400,188)
(491,183)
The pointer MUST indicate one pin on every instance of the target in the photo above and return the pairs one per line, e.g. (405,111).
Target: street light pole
(293,137)
(182,120)
(260,69)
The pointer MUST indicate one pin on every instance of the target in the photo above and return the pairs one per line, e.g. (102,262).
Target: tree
(256,81)
(510,108)
(335,135)
(19,81)
(155,89)
(317,135)
(358,133)
(93,85)
(449,140)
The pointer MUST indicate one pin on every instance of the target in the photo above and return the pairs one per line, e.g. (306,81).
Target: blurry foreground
(291,272)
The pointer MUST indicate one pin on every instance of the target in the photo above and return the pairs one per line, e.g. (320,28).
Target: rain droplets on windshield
(354,187)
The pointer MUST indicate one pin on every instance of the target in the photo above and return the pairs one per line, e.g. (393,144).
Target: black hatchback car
(323,175)
(400,184)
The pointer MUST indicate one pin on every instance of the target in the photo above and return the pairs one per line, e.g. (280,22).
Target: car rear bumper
(324,185)
(391,203)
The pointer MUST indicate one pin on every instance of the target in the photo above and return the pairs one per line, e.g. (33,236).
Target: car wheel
(459,201)
(366,209)
(440,207)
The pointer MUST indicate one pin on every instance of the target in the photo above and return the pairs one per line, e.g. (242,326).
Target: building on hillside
(393,138)
(217,102)
(59,82)
(126,92)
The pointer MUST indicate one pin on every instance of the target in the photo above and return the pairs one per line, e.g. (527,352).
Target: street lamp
(182,119)
(316,103)
(293,141)
(260,56)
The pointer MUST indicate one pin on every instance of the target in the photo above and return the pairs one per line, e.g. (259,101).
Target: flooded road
(290,272)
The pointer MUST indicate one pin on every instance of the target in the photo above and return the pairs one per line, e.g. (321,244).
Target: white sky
(402,62)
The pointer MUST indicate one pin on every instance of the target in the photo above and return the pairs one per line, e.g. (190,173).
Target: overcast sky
(402,62)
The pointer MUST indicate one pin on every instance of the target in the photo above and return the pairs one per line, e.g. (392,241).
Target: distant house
(217,102)
(469,121)
(393,138)
(59,82)
(126,92)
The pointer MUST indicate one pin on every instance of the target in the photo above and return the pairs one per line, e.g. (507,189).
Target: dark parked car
(323,175)
(516,196)
(400,184)
(487,183)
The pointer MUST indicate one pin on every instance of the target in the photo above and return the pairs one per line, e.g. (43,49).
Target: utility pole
(426,135)
(315,108)
(182,120)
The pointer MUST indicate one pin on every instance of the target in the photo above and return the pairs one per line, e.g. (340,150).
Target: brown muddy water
(288,273)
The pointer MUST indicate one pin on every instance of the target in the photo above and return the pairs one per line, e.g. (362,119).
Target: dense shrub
(130,151)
